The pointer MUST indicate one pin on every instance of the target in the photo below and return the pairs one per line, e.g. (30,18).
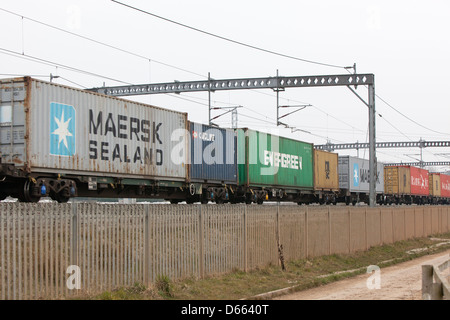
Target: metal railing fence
(56,251)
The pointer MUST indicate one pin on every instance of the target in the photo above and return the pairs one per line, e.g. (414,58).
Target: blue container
(213,154)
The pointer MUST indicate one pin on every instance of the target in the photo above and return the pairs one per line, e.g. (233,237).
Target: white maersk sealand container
(354,179)
(60,141)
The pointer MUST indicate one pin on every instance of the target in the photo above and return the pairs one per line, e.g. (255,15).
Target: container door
(12,122)
(344,173)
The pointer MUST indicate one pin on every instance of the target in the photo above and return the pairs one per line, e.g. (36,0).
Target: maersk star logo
(355,175)
(62,129)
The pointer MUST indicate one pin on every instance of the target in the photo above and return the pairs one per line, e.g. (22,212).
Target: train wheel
(347,200)
(25,194)
(62,199)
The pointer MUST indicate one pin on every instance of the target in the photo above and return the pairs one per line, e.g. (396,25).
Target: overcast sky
(405,44)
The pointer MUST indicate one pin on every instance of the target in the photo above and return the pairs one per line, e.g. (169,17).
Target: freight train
(62,142)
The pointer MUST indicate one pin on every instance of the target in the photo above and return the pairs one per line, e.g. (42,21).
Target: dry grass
(300,274)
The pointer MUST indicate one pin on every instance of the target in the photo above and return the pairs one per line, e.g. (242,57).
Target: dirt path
(400,282)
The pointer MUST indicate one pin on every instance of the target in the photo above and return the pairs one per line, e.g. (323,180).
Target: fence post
(329,231)
(306,233)
(349,230)
(146,245)
(381,228)
(245,239)
(74,242)
(365,229)
(200,240)
(393,230)
(415,235)
(404,224)
(74,238)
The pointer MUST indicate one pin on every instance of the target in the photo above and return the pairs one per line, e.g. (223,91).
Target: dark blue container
(213,154)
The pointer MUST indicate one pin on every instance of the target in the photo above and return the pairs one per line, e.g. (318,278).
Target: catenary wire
(103,43)
(228,39)
(51,63)
(412,120)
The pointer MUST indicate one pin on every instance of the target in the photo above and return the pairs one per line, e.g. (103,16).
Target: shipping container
(268,160)
(326,175)
(397,180)
(213,154)
(435,184)
(419,181)
(445,186)
(354,175)
(48,128)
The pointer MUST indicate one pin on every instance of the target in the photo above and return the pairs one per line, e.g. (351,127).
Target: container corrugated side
(272,160)
(435,184)
(419,181)
(213,154)
(326,175)
(79,132)
(445,186)
(354,175)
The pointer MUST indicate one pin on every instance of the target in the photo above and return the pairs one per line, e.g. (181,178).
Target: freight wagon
(407,184)
(326,177)
(273,168)
(354,180)
(434,185)
(445,189)
(62,142)
(439,185)
(213,166)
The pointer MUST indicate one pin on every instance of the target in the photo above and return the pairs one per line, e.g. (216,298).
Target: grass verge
(299,275)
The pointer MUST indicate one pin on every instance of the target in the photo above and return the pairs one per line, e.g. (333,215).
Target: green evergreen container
(267,160)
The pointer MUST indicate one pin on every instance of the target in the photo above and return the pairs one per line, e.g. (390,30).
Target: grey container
(46,127)
(213,154)
(354,174)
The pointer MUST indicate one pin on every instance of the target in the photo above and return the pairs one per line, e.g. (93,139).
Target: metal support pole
(421,152)
(234,118)
(278,101)
(372,147)
(209,98)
